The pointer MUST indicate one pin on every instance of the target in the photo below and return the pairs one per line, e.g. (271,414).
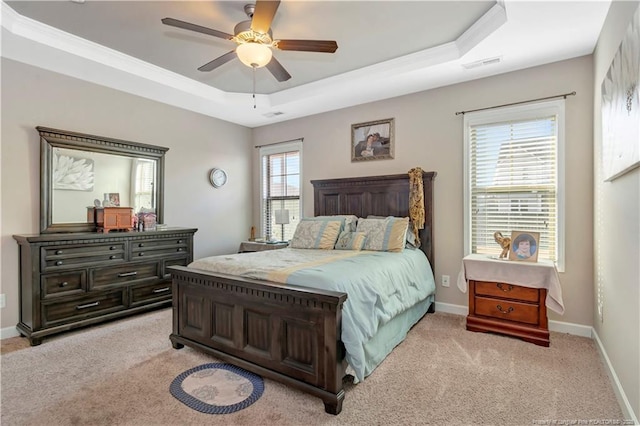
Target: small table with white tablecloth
(511,297)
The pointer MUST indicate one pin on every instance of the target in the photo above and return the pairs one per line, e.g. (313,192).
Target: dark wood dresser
(71,280)
(508,309)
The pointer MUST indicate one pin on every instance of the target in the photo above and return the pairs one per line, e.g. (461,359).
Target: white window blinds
(281,190)
(513,177)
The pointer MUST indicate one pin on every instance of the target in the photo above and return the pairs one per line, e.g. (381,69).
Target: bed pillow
(316,234)
(350,240)
(349,220)
(388,234)
(411,237)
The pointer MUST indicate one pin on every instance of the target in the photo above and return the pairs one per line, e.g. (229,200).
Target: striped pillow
(351,240)
(386,234)
(316,234)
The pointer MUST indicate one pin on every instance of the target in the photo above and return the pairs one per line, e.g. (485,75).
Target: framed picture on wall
(373,140)
(621,107)
(524,246)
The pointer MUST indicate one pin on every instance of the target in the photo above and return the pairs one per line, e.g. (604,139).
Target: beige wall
(430,135)
(617,232)
(34,97)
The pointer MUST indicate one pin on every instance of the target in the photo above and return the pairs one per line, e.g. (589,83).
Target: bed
(294,333)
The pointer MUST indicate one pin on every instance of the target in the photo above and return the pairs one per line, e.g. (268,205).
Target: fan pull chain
(254,87)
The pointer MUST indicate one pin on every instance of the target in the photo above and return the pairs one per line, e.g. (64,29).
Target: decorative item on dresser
(511,297)
(111,218)
(76,279)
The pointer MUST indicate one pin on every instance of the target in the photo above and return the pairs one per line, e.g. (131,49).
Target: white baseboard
(559,326)
(448,308)
(7,332)
(623,401)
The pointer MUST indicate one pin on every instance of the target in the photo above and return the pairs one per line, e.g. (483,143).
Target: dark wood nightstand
(253,246)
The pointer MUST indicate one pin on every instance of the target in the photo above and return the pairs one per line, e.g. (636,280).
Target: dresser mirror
(80,171)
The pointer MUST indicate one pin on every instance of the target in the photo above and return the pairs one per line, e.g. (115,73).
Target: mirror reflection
(80,172)
(82,179)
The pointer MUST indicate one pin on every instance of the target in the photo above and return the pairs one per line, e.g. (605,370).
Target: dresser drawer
(83,307)
(507,310)
(179,261)
(62,257)
(508,291)
(65,284)
(146,293)
(159,247)
(134,271)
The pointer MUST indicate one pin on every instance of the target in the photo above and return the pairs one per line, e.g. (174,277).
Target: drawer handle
(501,287)
(179,241)
(88,305)
(113,248)
(58,251)
(128,274)
(64,284)
(180,249)
(141,245)
(59,262)
(113,256)
(508,311)
(161,290)
(141,254)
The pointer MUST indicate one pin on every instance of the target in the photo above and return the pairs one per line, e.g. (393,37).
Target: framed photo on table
(524,246)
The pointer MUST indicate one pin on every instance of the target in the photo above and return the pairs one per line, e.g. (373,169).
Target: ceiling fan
(255,40)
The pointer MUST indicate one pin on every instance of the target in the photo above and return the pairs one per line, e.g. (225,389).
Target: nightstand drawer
(507,310)
(508,291)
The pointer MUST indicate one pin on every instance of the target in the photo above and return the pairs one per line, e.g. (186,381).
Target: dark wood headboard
(375,195)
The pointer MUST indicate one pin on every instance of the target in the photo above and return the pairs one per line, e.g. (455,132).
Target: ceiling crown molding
(41,45)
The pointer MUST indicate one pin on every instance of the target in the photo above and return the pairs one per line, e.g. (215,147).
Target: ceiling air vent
(483,62)
(273,114)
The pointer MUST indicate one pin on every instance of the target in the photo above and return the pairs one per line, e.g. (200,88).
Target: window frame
(514,113)
(278,148)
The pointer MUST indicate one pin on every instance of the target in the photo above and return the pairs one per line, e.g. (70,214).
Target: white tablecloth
(543,274)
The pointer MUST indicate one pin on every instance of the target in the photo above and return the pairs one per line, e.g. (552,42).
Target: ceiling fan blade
(197,28)
(221,60)
(323,46)
(263,15)
(278,70)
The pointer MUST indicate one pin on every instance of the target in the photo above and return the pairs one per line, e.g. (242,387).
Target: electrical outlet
(445,281)
(3,301)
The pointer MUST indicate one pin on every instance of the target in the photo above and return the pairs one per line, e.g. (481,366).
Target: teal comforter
(380,286)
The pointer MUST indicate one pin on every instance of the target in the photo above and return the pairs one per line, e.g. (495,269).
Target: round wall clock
(217,177)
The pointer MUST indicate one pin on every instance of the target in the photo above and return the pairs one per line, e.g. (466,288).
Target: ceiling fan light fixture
(254,55)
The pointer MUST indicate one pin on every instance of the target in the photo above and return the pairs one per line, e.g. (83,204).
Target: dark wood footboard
(286,333)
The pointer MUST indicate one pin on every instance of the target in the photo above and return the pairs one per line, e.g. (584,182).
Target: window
(281,204)
(514,177)
(144,172)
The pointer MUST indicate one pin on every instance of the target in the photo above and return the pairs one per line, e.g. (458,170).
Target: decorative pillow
(350,240)
(388,234)
(411,237)
(316,234)
(349,220)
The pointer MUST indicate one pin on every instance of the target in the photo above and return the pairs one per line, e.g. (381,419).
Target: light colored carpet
(119,374)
